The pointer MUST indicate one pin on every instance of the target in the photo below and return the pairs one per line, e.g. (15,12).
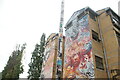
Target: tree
(14,66)
(35,65)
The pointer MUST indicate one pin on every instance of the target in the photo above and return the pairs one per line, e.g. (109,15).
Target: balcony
(116,23)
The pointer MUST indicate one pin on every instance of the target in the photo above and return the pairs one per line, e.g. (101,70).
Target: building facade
(90,48)
(51,61)
(50,55)
(92,44)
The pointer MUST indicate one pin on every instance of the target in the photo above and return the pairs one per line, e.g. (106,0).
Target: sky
(24,21)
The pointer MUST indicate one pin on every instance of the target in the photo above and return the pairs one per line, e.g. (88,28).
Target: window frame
(95,36)
(99,62)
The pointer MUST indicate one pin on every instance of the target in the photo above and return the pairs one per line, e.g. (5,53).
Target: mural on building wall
(48,68)
(78,61)
(59,59)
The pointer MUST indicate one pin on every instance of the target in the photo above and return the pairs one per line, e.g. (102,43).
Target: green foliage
(14,66)
(35,65)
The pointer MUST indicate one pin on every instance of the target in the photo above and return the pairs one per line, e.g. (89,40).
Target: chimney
(119,8)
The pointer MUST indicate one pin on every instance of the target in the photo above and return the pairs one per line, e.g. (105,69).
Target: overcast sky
(25,20)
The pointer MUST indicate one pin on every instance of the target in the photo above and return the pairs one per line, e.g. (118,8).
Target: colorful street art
(78,60)
(48,68)
(59,58)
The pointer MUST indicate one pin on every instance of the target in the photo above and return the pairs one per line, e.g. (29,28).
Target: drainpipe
(105,56)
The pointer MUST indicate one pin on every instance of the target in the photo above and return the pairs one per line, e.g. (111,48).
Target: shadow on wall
(0,75)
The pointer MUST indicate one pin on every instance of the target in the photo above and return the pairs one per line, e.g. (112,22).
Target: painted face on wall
(75,60)
(82,65)
(74,34)
(86,58)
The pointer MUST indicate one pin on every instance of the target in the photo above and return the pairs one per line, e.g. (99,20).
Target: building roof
(97,13)
(78,12)
(110,12)
(102,10)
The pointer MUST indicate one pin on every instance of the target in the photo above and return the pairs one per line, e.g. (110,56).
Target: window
(99,62)
(92,16)
(116,23)
(54,37)
(95,36)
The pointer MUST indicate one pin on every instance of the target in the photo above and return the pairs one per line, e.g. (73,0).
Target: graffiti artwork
(59,59)
(78,61)
(48,68)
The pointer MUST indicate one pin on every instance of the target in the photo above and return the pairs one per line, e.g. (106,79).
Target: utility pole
(59,55)
(61,19)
